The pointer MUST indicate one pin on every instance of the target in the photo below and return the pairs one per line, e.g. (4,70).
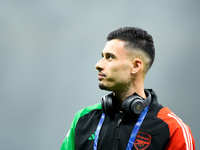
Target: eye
(109,56)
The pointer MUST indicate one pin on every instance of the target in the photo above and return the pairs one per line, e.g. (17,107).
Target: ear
(137,65)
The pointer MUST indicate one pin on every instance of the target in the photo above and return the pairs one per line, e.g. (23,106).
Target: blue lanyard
(98,130)
(136,128)
(133,134)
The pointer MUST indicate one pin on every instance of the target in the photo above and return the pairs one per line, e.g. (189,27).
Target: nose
(98,65)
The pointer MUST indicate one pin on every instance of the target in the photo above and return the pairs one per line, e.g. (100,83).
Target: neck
(122,95)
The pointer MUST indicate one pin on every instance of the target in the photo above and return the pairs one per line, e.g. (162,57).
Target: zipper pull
(117,131)
(118,123)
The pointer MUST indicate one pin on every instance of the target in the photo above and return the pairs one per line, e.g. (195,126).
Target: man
(130,117)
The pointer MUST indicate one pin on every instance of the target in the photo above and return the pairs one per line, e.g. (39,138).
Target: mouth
(101,75)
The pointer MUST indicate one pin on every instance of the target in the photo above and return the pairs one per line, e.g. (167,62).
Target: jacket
(160,130)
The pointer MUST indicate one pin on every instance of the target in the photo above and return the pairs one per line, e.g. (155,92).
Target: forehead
(115,47)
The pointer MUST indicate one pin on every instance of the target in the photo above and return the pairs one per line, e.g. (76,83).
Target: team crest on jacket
(142,141)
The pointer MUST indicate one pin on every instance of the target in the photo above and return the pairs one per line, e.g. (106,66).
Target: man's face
(114,67)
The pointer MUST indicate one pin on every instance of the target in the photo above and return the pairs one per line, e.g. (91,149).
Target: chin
(102,86)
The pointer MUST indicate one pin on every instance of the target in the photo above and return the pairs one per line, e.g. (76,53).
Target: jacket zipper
(116,133)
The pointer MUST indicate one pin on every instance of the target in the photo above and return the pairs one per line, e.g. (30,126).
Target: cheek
(123,70)
(126,68)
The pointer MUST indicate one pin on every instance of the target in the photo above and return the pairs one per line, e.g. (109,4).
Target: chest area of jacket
(116,131)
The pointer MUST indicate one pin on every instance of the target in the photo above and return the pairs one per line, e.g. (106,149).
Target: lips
(101,75)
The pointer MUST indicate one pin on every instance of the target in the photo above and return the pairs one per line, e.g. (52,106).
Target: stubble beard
(102,86)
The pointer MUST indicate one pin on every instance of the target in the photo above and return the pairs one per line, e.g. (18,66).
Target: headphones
(132,105)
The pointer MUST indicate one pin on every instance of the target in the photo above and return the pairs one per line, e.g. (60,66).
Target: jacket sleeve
(181,140)
(69,141)
(180,135)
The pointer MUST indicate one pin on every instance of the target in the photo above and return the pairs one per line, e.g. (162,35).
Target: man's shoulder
(88,109)
(173,121)
(85,111)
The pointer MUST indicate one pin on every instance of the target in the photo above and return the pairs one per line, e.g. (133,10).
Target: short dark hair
(135,38)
